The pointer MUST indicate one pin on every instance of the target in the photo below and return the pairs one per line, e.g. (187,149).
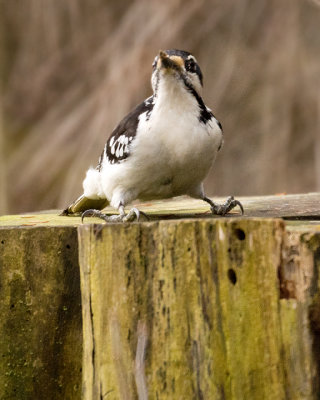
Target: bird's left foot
(133,214)
(223,209)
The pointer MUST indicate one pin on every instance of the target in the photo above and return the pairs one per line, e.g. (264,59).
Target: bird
(163,148)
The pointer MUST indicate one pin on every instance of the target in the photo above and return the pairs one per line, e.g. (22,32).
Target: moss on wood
(198,308)
(192,309)
(40,314)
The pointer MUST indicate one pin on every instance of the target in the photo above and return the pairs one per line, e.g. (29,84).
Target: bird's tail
(84,203)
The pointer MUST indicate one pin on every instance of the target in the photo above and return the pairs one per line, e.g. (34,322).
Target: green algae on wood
(40,314)
(208,307)
(197,301)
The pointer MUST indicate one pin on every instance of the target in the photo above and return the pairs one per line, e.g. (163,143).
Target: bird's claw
(133,214)
(93,213)
(223,209)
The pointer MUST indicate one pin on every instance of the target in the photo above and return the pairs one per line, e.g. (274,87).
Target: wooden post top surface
(293,208)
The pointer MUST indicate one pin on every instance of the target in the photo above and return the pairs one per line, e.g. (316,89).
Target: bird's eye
(190,65)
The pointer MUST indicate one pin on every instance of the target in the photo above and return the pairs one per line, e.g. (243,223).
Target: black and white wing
(117,148)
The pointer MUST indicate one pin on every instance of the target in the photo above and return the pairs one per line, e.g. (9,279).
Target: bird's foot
(133,214)
(223,209)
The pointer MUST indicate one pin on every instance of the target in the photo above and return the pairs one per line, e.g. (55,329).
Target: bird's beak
(169,62)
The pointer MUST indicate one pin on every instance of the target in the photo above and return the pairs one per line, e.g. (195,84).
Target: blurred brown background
(70,70)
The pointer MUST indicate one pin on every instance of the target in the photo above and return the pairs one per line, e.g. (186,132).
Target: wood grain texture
(192,310)
(40,314)
(186,306)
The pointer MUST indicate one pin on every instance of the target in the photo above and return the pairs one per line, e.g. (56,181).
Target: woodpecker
(163,148)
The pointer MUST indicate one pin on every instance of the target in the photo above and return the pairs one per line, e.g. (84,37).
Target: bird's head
(179,65)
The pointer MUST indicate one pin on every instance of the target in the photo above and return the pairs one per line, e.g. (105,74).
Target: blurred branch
(316,2)
(3,185)
(317,151)
(3,177)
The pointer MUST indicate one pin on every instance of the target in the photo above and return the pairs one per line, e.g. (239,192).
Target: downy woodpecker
(163,148)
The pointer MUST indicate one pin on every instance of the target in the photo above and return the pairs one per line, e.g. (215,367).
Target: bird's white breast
(171,154)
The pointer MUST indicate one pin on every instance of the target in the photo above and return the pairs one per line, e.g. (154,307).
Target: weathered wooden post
(192,310)
(183,308)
